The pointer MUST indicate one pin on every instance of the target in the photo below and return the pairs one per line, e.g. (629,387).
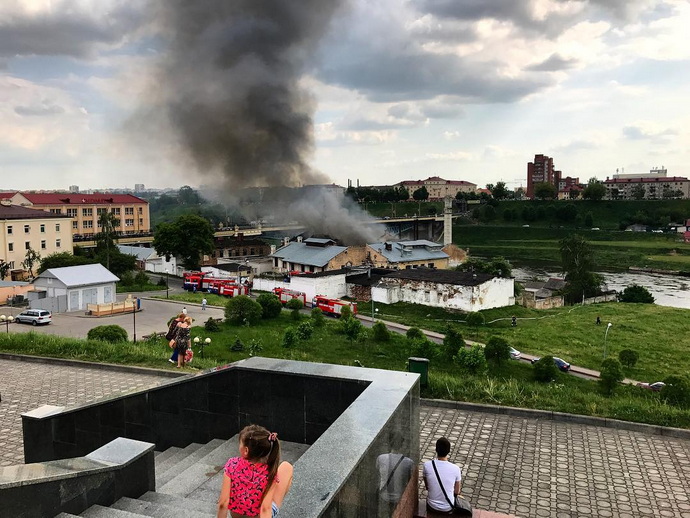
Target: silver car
(34,317)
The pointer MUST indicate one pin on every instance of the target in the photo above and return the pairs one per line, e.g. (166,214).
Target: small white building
(445,288)
(149,260)
(330,284)
(73,287)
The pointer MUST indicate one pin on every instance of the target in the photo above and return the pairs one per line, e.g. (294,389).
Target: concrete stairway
(188,482)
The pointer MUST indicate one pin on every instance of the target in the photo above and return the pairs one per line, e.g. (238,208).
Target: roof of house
(318,241)
(436,179)
(441,276)
(660,179)
(140,252)
(232,267)
(534,285)
(369,278)
(83,275)
(19,212)
(554,284)
(406,251)
(300,253)
(7,195)
(80,199)
(13,284)
(327,273)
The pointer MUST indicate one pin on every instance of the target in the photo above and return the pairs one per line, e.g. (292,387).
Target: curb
(529,413)
(91,365)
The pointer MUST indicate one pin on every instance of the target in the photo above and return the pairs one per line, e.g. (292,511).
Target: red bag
(188,355)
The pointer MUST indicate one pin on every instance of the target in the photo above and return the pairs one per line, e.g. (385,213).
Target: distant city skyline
(460,89)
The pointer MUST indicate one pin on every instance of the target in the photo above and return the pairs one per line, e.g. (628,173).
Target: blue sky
(463,89)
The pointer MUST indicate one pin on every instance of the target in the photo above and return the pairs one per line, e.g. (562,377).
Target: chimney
(286,241)
(273,249)
(299,239)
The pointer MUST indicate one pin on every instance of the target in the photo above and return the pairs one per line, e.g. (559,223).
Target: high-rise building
(541,171)
(139,187)
(74,189)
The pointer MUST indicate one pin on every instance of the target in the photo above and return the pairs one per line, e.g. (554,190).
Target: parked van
(34,317)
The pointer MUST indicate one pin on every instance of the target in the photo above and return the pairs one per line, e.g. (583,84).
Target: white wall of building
(160,265)
(332,286)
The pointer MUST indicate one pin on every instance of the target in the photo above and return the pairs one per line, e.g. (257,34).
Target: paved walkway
(28,385)
(527,467)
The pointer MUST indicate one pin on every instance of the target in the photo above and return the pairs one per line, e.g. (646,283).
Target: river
(668,290)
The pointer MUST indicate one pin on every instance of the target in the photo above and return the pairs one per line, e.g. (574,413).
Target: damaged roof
(300,253)
(406,251)
(441,276)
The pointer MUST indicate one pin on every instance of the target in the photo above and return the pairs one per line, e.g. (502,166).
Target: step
(160,510)
(196,474)
(180,466)
(178,501)
(98,511)
(165,465)
(164,455)
(66,515)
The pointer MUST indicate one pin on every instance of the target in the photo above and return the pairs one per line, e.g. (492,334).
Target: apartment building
(542,170)
(655,187)
(24,228)
(84,210)
(438,188)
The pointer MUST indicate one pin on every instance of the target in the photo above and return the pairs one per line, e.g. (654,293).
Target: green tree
(317,317)
(475,319)
(452,343)
(380,332)
(105,239)
(414,333)
(295,305)
(189,237)
(638,192)
(500,192)
(497,266)
(497,350)
(577,260)
(471,359)
(628,357)
(188,196)
(270,305)
(290,338)
(242,310)
(595,190)
(141,279)
(545,191)
(305,330)
(352,328)
(589,220)
(636,293)
(4,269)
(545,369)
(420,194)
(611,375)
(109,333)
(31,259)
(677,391)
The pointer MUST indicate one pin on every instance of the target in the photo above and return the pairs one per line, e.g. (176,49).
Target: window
(10,247)
(43,229)
(56,211)
(129,211)
(101,211)
(27,245)
(9,229)
(43,244)
(58,243)
(27,229)
(141,210)
(57,227)
(86,212)
(129,223)
(72,213)
(87,224)
(75,224)
(141,222)
(115,211)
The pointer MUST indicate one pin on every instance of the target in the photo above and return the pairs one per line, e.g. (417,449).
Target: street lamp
(134,318)
(167,287)
(608,326)
(7,321)
(207,342)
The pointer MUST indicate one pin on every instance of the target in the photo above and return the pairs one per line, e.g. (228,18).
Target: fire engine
(332,306)
(191,280)
(231,289)
(285,295)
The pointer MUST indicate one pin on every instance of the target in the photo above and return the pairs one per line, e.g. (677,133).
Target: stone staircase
(188,482)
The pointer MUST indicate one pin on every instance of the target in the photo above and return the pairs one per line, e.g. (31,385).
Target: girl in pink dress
(252,484)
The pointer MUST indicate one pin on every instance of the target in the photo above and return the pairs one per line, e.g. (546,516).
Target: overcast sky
(398,89)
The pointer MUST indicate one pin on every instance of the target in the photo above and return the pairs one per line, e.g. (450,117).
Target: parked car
(515,354)
(656,387)
(34,317)
(560,363)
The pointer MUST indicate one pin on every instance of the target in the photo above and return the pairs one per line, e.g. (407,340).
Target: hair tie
(272,437)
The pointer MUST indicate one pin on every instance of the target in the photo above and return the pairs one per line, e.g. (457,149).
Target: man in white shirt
(450,475)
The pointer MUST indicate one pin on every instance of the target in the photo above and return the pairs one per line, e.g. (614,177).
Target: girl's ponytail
(273,461)
(262,444)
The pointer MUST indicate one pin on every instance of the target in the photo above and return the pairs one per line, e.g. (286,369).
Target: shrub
(452,342)
(636,293)
(475,319)
(270,305)
(290,338)
(237,346)
(628,357)
(611,375)
(317,317)
(255,347)
(243,310)
(352,328)
(141,279)
(497,350)
(677,391)
(345,312)
(162,282)
(305,330)
(127,279)
(545,369)
(414,333)
(211,325)
(110,333)
(471,359)
(295,305)
(424,348)
(381,332)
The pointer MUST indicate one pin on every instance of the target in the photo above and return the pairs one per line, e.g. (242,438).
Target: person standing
(184,310)
(203,304)
(183,340)
(442,480)
(170,336)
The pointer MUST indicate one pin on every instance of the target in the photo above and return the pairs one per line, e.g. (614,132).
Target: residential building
(149,260)
(656,172)
(406,255)
(438,188)
(24,228)
(541,170)
(655,187)
(310,256)
(74,189)
(72,288)
(84,210)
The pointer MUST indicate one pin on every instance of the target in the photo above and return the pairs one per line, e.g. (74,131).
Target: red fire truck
(191,280)
(285,295)
(332,306)
(232,289)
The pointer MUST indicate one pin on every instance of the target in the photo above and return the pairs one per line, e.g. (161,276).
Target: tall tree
(577,259)
(105,239)
(545,191)
(421,194)
(31,259)
(499,191)
(188,237)
(4,269)
(595,190)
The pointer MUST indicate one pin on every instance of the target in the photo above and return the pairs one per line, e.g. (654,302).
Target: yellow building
(23,229)
(438,188)
(84,210)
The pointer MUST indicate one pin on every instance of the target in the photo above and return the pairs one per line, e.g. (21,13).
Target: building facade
(23,229)
(84,209)
(438,188)
(541,170)
(647,187)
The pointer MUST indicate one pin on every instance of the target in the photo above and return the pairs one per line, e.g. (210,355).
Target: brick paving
(532,467)
(27,385)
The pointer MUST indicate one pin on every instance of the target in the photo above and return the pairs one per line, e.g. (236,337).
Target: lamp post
(207,341)
(167,286)
(134,318)
(608,326)
(7,321)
